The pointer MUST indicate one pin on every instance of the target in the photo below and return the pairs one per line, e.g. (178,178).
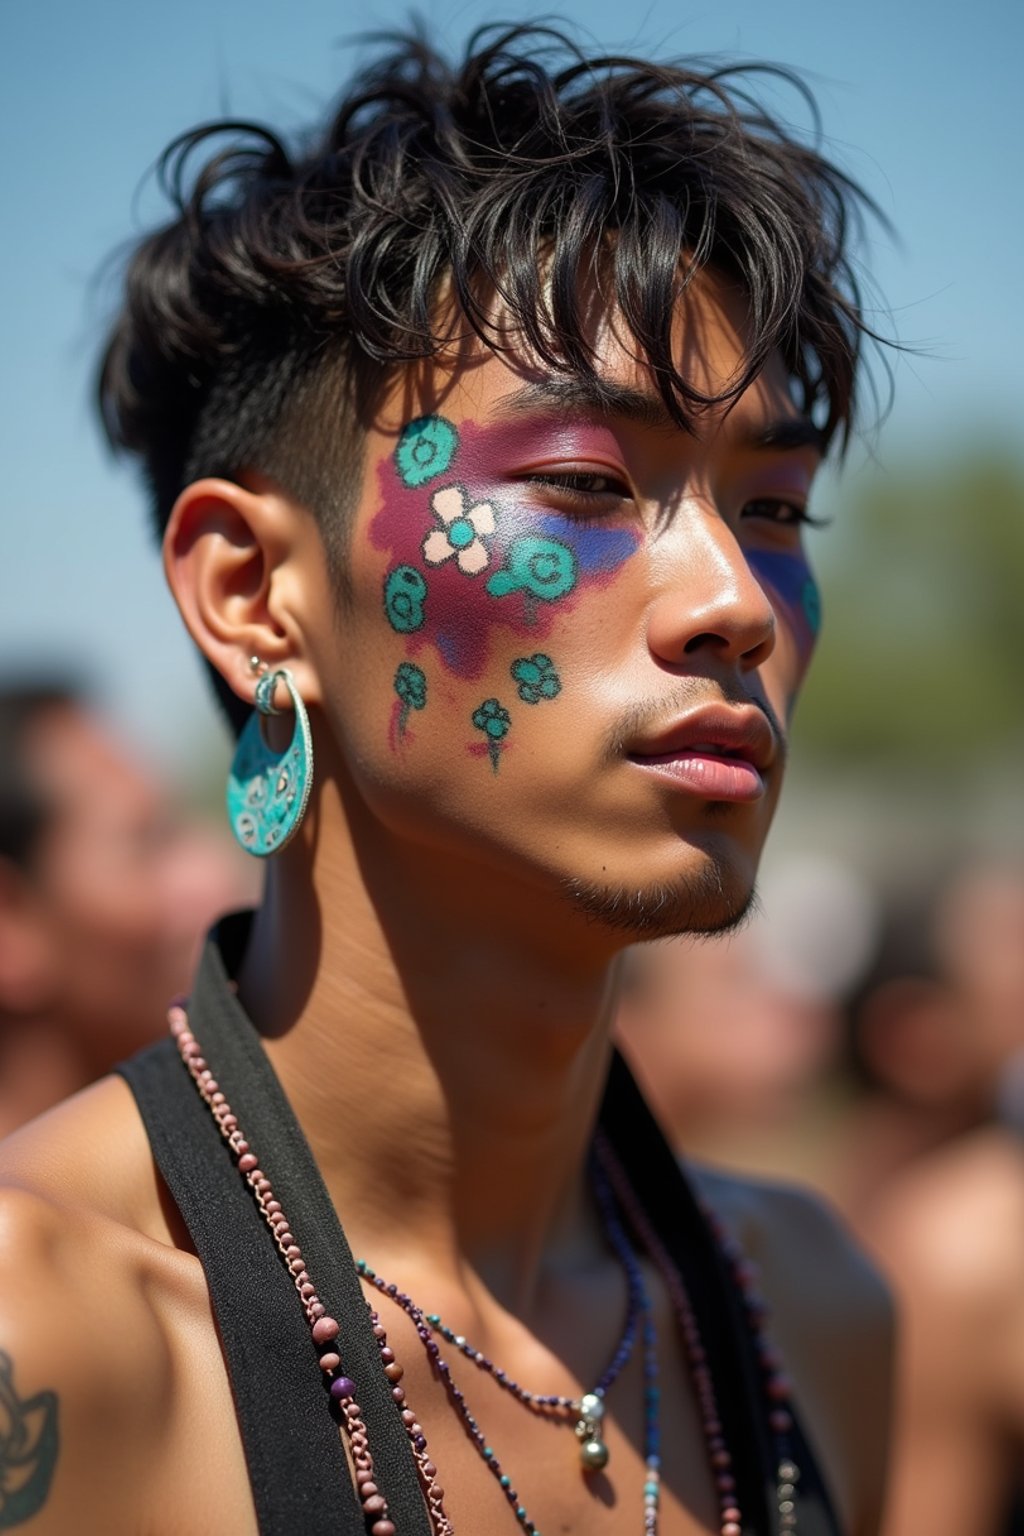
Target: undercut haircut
(260,325)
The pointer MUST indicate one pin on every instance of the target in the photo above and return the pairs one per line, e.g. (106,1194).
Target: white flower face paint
(465,527)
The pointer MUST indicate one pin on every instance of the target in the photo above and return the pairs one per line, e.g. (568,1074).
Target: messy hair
(259,325)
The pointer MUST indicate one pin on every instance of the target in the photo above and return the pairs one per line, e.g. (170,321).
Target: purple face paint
(789,578)
(468,555)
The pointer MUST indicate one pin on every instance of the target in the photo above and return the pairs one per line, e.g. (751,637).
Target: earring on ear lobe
(268,791)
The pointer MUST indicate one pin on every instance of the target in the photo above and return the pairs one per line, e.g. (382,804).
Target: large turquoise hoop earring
(268,791)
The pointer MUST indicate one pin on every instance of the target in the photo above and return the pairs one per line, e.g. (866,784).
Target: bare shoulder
(91,1286)
(831,1315)
(951,1234)
(803,1249)
(953,1222)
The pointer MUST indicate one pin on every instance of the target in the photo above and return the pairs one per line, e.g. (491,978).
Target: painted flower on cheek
(405,592)
(411,688)
(494,720)
(463,531)
(540,568)
(425,449)
(536,678)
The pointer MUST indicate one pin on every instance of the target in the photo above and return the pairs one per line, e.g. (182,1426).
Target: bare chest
(493,1456)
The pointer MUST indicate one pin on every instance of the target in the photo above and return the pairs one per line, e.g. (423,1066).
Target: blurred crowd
(868,1042)
(106,888)
(872,1044)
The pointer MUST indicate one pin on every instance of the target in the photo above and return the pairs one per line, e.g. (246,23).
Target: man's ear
(233,558)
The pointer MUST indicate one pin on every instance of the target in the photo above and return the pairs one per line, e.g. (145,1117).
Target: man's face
(576,631)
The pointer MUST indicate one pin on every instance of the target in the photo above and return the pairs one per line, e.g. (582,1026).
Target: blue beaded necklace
(588,1410)
(614,1194)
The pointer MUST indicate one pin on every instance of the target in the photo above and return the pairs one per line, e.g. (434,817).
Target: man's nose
(709,600)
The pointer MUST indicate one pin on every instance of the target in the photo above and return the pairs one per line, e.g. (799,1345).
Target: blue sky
(920,101)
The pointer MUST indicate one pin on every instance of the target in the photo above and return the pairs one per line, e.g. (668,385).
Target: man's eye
(776,509)
(581,484)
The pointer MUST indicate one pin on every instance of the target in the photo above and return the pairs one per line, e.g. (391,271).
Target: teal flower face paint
(411,689)
(494,720)
(405,592)
(425,449)
(471,555)
(536,678)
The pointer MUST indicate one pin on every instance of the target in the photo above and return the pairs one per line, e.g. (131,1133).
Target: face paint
(536,678)
(411,688)
(789,577)
(469,556)
(494,721)
(425,449)
(465,532)
(539,568)
(404,594)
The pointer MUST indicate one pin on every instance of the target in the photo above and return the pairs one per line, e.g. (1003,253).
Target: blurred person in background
(736,1041)
(735,1038)
(934,1027)
(943,1206)
(104,894)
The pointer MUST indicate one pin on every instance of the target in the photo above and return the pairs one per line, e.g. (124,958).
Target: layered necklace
(624,1223)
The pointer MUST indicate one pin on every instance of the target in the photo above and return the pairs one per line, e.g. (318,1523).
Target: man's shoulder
(88,1156)
(799,1243)
(108,1357)
(82,1229)
(831,1315)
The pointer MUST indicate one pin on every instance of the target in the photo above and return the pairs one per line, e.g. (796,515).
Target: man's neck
(446,1062)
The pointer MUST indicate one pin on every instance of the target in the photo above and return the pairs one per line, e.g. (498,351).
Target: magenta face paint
(469,554)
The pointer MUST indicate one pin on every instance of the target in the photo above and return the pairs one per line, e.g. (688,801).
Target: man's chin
(704,902)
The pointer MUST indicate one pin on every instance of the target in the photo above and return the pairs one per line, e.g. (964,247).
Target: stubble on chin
(699,903)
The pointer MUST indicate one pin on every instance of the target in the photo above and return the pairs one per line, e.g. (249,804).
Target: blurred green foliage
(922,653)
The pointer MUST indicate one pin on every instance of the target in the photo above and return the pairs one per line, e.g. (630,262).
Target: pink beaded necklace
(325,1332)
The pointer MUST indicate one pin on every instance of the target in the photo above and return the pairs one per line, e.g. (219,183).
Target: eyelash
(571,487)
(800,516)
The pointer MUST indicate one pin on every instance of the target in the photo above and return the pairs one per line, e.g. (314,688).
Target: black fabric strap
(300,1479)
(669,1202)
(299,1475)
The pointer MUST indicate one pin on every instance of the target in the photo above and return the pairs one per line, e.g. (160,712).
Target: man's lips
(717,753)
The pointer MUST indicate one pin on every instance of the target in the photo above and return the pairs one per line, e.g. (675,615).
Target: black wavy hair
(259,324)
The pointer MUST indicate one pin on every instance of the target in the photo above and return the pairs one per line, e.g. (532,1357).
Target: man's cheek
(795,596)
(471,570)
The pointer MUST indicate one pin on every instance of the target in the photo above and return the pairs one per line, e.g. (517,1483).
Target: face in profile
(576,631)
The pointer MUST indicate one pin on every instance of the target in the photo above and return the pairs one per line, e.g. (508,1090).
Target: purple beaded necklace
(613,1193)
(588,1410)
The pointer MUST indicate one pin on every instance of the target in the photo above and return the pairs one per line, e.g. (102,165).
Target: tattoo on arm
(28,1449)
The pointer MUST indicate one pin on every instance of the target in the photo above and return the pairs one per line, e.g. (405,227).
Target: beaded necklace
(589,1409)
(611,1188)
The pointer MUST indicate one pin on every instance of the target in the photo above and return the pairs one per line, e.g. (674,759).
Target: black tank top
(297,1468)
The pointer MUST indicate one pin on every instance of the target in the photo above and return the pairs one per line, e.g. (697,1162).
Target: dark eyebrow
(601,397)
(589,397)
(788,432)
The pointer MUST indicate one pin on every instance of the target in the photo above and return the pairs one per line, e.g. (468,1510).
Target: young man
(484,431)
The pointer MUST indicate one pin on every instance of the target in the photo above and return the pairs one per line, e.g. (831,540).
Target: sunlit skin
(683,611)
(429,968)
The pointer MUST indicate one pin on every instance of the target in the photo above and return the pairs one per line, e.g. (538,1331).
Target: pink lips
(718,753)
